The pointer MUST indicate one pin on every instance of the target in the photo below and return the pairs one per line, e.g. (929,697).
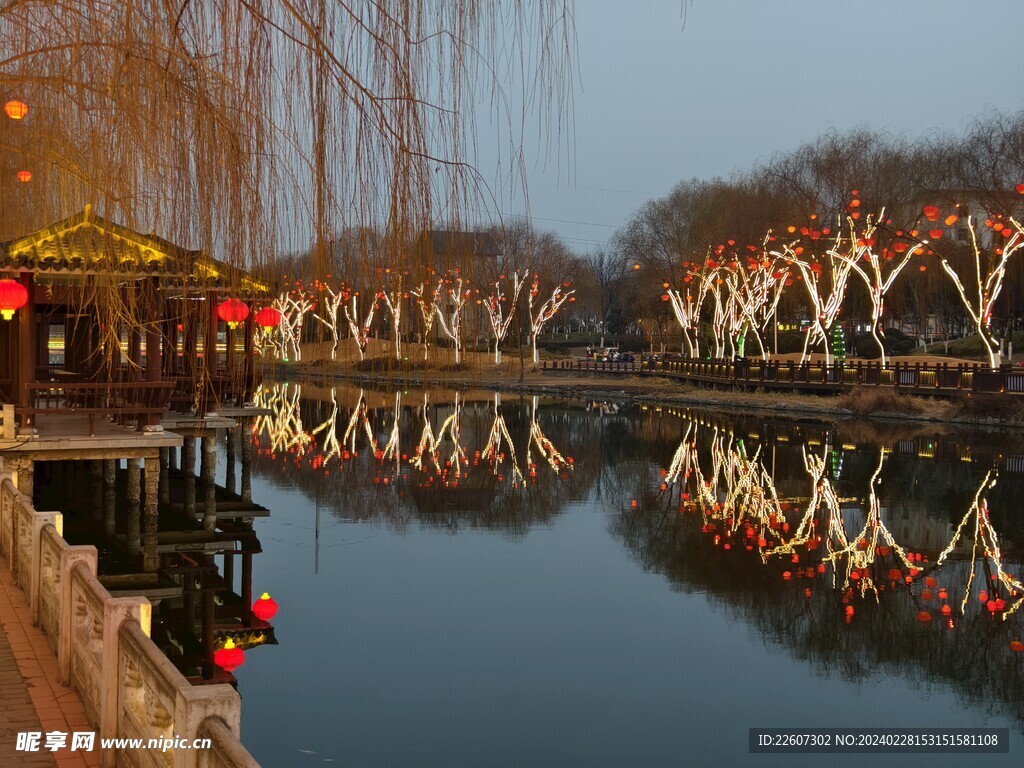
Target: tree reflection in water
(851,551)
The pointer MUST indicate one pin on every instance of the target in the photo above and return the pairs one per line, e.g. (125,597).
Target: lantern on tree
(15,109)
(233,312)
(229,657)
(265,608)
(268,318)
(13,296)
(24,176)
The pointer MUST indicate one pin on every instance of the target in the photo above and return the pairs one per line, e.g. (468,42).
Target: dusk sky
(657,102)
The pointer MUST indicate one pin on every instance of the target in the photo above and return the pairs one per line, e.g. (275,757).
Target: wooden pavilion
(122,324)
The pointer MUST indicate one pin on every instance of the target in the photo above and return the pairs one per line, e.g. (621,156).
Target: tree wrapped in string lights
(427,301)
(987,273)
(501,309)
(877,266)
(542,314)
(450,298)
(360,329)
(293,306)
(393,299)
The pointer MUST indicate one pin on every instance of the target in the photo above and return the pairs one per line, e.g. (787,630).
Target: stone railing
(129,688)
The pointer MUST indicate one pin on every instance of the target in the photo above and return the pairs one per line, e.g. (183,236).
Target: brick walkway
(31,698)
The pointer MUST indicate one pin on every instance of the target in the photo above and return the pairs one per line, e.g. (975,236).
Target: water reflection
(855,548)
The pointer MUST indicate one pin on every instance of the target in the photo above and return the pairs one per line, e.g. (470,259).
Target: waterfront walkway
(31,697)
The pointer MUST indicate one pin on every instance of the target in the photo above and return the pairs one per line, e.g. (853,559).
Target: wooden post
(26,369)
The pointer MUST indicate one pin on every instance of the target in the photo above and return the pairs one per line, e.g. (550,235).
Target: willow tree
(250,130)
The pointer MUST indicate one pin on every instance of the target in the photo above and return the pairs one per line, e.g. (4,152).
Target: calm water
(468,583)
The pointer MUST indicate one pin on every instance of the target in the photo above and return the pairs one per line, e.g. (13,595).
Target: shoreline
(657,392)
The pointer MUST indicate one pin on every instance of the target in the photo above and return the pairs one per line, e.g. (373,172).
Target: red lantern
(233,312)
(13,296)
(230,657)
(931,212)
(15,109)
(1016,646)
(265,608)
(268,317)
(24,176)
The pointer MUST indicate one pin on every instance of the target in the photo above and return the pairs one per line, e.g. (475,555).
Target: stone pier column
(109,489)
(133,495)
(25,471)
(246,491)
(96,470)
(173,462)
(232,439)
(150,558)
(165,475)
(209,479)
(188,467)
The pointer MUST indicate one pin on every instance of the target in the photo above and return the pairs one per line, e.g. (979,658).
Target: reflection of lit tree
(427,449)
(331,447)
(498,437)
(283,425)
(544,446)
(984,536)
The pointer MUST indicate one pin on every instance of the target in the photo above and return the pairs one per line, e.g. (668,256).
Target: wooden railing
(129,689)
(140,401)
(918,378)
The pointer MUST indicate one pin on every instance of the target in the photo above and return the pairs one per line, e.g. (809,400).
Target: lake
(471,579)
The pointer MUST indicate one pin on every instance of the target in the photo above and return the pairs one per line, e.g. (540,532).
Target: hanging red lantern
(24,176)
(233,312)
(931,212)
(265,608)
(924,617)
(268,317)
(13,296)
(230,657)
(15,109)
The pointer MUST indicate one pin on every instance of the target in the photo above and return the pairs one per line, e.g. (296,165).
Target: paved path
(31,698)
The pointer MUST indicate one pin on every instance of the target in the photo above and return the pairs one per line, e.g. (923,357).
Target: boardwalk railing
(917,378)
(129,688)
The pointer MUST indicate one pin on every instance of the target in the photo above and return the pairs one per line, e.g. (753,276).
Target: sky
(658,100)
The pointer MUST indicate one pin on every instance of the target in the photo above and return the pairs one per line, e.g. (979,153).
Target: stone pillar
(208,469)
(133,495)
(109,488)
(188,467)
(25,473)
(243,426)
(229,479)
(165,475)
(150,558)
(96,470)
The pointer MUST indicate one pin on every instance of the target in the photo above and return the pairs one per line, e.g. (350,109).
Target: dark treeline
(975,174)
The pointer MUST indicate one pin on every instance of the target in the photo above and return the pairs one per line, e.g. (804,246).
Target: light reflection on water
(790,574)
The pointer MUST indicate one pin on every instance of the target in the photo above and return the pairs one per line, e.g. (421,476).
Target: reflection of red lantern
(924,617)
(233,312)
(15,109)
(13,296)
(268,317)
(230,657)
(24,176)
(1016,646)
(265,608)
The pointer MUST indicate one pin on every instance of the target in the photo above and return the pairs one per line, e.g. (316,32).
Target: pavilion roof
(88,244)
